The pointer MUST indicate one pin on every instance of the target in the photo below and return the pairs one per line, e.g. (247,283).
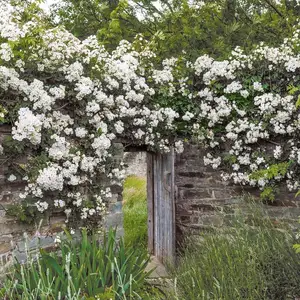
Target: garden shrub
(85,269)
(252,260)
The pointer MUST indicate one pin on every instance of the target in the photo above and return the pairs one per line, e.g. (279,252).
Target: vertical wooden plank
(156,206)
(168,224)
(166,208)
(173,208)
(164,211)
(150,202)
(169,209)
(159,209)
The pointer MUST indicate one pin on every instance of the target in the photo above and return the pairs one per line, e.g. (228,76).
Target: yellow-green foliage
(135,211)
(270,173)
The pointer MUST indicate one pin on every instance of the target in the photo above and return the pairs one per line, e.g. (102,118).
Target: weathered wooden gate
(161,206)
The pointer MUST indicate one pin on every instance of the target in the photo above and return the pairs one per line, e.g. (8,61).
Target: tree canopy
(196,27)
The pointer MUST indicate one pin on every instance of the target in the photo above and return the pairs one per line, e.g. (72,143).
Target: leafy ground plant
(88,269)
(252,260)
(135,211)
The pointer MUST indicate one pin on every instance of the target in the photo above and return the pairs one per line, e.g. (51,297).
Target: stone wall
(204,202)
(136,163)
(13,234)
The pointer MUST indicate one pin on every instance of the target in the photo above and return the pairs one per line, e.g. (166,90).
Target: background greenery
(135,211)
(214,28)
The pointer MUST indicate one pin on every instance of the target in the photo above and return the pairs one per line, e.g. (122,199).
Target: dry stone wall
(204,201)
(16,238)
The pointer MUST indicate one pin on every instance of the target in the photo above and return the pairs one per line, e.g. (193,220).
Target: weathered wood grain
(164,206)
(150,202)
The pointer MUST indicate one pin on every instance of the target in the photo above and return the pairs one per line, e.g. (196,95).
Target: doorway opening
(149,203)
(135,211)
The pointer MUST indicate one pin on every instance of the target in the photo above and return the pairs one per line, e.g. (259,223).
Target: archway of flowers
(69,101)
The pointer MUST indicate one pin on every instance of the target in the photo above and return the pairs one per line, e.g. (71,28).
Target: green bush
(88,269)
(135,211)
(252,260)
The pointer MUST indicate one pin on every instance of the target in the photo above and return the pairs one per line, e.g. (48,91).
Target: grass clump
(88,269)
(135,211)
(252,260)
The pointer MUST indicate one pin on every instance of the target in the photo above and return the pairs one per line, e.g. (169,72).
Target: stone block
(20,257)
(13,227)
(5,247)
(115,208)
(35,243)
(116,189)
(6,238)
(216,220)
(185,219)
(114,220)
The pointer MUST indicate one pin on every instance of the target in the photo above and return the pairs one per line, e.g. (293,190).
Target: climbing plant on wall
(68,101)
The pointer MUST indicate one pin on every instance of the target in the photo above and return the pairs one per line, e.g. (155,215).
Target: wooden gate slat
(172,209)
(155,203)
(163,207)
(158,208)
(166,208)
(150,202)
(168,197)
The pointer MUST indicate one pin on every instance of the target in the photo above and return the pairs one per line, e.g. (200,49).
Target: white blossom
(12,178)
(42,206)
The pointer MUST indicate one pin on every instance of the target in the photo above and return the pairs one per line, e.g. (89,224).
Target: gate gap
(135,212)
